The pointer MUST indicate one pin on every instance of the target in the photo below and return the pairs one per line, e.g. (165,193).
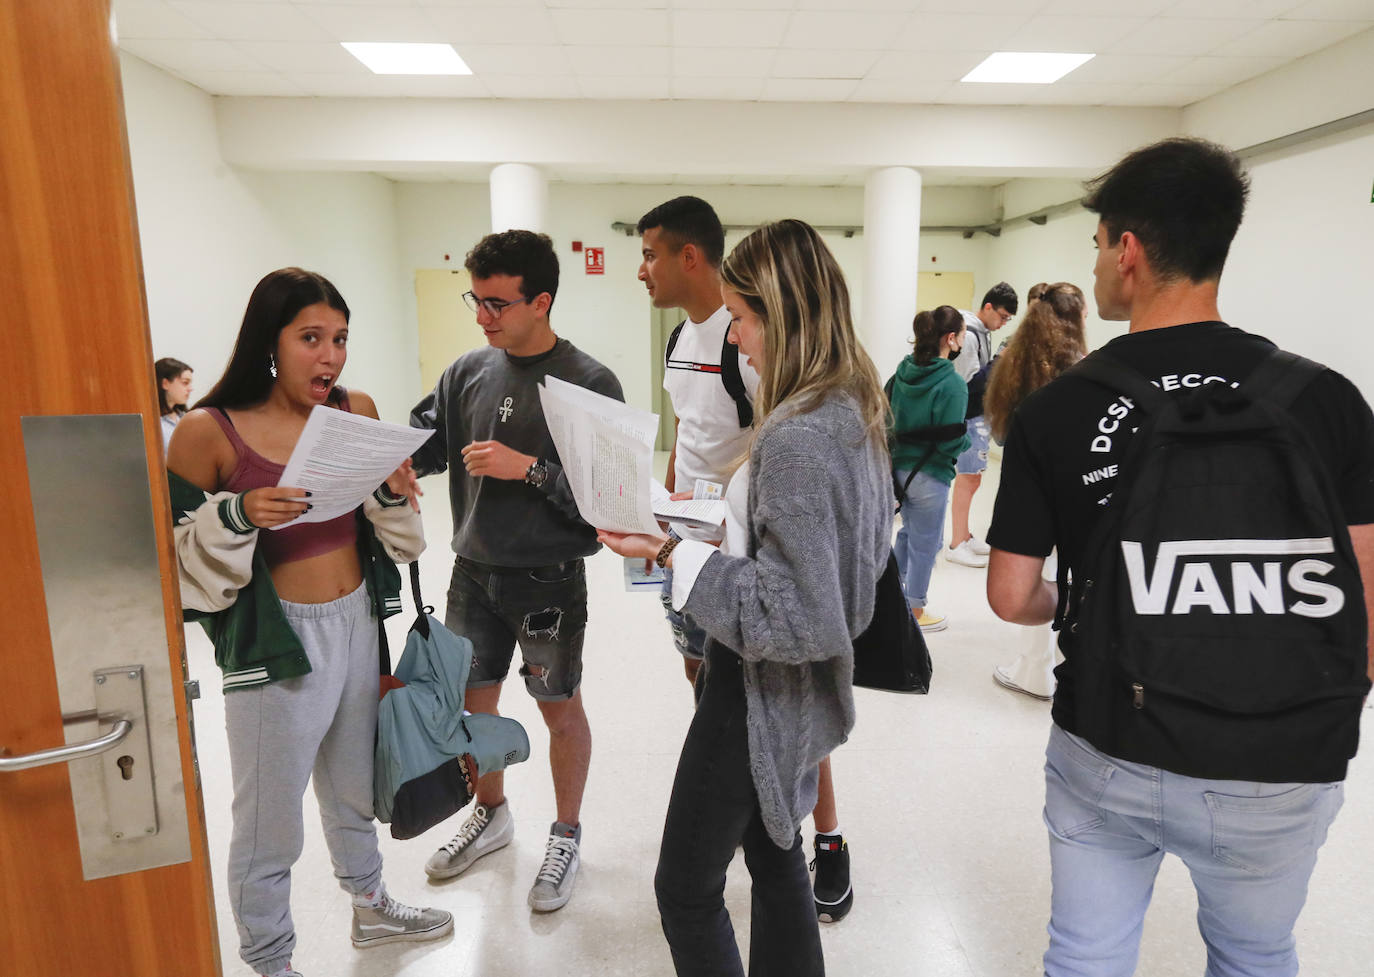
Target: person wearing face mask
(926,394)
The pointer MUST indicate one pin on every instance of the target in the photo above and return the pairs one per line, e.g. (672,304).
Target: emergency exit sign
(596,260)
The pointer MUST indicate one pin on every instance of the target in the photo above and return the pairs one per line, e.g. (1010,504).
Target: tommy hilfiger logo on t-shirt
(506,409)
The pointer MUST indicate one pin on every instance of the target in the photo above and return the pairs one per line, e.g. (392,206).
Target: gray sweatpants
(279,734)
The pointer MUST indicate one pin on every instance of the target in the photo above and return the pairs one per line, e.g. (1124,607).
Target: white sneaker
(1002,676)
(485,830)
(395,922)
(965,555)
(978,546)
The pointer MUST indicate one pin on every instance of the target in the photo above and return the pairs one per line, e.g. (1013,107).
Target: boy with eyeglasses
(518,577)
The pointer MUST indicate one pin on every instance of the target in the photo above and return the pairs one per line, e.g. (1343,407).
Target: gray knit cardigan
(820,530)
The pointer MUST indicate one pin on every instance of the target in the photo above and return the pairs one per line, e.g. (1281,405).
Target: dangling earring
(272,365)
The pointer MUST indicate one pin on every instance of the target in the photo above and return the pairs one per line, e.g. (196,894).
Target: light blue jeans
(1250,848)
(922,533)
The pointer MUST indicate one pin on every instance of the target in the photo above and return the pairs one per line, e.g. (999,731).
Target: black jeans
(714,809)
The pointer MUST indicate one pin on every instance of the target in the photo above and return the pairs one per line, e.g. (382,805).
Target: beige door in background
(448,328)
(936,288)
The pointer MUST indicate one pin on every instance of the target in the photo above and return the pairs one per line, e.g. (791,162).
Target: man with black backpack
(1212,501)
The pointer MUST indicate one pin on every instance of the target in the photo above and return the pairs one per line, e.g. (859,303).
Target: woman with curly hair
(1050,339)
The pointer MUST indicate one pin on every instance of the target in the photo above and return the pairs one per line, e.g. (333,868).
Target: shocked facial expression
(661,270)
(746,328)
(311,352)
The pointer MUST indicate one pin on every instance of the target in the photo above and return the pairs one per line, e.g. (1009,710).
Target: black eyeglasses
(494,307)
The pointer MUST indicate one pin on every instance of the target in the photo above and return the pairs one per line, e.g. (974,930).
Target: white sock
(371,900)
(834,833)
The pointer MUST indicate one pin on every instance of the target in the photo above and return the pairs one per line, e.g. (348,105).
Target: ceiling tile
(733,5)
(1014,8)
(823,64)
(941,66)
(1222,72)
(619,27)
(154,20)
(906,6)
(391,86)
(1290,38)
(742,28)
(807,89)
(897,90)
(719,62)
(1333,10)
(532,86)
(1240,9)
(494,25)
(310,56)
(827,30)
(636,62)
(1094,8)
(251,21)
(1085,35)
(717,88)
(372,22)
(1164,95)
(516,59)
(440,4)
(1127,69)
(958,32)
(244,83)
(192,55)
(1178,36)
(609,87)
(610,4)
(987,94)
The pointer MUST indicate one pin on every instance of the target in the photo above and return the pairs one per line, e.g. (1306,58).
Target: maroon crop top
(299,542)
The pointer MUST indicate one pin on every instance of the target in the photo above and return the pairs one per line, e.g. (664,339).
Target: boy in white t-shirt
(706,377)
(712,388)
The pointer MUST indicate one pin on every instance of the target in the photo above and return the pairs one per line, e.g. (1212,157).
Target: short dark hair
(276,301)
(1183,198)
(526,254)
(688,220)
(928,328)
(1001,296)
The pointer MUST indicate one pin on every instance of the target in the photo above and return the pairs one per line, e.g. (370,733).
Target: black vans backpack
(1216,619)
(728,370)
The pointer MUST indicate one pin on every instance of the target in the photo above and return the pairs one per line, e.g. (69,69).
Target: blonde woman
(810,538)
(1050,339)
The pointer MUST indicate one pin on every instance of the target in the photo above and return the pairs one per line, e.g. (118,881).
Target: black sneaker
(833,893)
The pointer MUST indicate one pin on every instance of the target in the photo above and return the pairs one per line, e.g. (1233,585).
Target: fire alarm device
(577,245)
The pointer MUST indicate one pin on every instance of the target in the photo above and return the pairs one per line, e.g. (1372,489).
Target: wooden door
(74,347)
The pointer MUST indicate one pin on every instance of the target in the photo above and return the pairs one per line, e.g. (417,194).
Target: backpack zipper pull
(1138,695)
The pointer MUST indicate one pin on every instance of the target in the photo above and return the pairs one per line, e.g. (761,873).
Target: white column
(519,198)
(892,238)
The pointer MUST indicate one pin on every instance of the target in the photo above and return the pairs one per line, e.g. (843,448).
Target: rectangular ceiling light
(1025,68)
(408,59)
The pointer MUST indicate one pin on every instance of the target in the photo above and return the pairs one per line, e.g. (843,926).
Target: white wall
(1305,247)
(209,232)
(609,316)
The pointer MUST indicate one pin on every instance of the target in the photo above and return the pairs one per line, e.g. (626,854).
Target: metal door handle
(72,751)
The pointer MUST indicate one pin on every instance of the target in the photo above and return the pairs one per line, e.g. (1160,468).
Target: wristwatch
(537,474)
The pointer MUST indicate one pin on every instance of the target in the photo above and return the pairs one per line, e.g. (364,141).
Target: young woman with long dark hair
(173,392)
(294,615)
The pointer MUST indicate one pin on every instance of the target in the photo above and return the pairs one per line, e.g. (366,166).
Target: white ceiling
(1150,52)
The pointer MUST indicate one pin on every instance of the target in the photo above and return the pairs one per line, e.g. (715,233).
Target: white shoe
(929,622)
(965,555)
(1002,676)
(554,884)
(485,830)
(978,546)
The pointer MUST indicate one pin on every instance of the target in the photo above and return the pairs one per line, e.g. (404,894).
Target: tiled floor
(940,799)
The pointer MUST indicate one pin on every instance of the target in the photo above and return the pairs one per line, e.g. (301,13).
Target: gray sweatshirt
(489,395)
(820,530)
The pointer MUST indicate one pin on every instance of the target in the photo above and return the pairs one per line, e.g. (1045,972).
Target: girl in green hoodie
(926,393)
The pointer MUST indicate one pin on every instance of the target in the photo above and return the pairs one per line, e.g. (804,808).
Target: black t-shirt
(1066,439)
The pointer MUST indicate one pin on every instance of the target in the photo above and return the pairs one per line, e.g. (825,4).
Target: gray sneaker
(485,830)
(395,922)
(554,884)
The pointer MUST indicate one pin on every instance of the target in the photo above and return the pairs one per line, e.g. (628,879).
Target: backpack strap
(1107,371)
(1281,376)
(421,611)
(672,341)
(734,382)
